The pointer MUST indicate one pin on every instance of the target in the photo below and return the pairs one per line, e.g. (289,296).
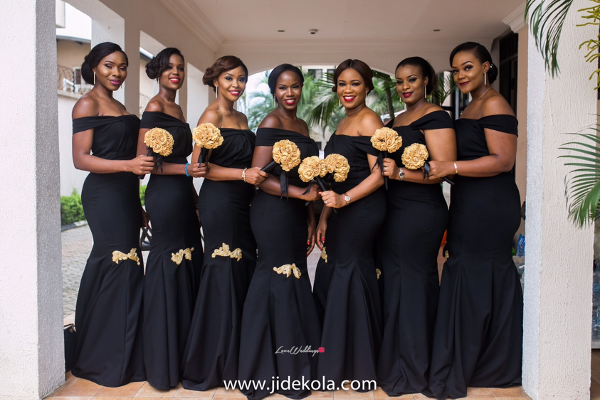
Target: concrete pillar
(558,277)
(31,335)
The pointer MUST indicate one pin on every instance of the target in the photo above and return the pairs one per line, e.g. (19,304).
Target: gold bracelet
(244,174)
(455,169)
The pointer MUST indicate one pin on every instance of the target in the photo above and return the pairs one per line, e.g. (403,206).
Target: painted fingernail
(308,242)
(323,239)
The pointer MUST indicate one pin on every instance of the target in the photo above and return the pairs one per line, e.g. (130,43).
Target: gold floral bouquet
(159,143)
(313,169)
(387,141)
(207,137)
(336,169)
(287,154)
(415,156)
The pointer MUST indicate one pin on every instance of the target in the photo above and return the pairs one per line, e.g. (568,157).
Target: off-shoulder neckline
(286,130)
(165,114)
(420,118)
(488,116)
(106,116)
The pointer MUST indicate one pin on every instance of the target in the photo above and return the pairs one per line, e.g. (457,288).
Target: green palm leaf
(546,20)
(582,185)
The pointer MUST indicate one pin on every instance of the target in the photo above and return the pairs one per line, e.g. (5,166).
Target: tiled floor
(81,389)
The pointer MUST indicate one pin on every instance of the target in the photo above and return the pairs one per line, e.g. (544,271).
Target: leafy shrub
(71,209)
(143,194)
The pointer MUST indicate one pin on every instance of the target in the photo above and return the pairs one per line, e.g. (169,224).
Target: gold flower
(378,272)
(225,252)
(311,167)
(414,156)
(119,256)
(286,154)
(207,136)
(338,165)
(386,139)
(324,255)
(288,269)
(160,141)
(177,258)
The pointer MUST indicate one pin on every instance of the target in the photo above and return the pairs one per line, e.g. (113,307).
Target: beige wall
(70,54)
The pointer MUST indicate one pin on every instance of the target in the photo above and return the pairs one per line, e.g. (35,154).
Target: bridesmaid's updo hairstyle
(280,69)
(225,63)
(482,55)
(426,70)
(359,66)
(160,62)
(96,55)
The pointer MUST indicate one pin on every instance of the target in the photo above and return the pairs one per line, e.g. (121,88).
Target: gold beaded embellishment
(119,256)
(378,271)
(288,269)
(324,255)
(225,252)
(177,258)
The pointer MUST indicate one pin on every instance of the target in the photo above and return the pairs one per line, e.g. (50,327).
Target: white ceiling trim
(338,46)
(194,19)
(516,19)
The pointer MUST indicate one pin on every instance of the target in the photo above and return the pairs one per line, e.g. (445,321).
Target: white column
(558,277)
(31,335)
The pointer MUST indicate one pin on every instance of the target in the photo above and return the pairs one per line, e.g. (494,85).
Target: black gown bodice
(237,148)
(355,149)
(307,146)
(470,135)
(182,134)
(410,134)
(115,138)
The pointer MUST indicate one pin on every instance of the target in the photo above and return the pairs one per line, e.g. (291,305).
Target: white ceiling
(232,25)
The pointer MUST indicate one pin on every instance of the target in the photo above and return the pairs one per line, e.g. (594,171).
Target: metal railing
(67,81)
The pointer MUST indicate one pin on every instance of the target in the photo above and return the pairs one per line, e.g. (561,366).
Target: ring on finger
(325,201)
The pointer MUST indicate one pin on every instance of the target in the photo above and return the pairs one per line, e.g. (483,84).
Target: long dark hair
(96,55)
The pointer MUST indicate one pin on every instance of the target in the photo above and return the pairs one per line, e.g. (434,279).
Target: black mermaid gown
(212,349)
(346,288)
(417,216)
(279,311)
(174,261)
(108,312)
(479,325)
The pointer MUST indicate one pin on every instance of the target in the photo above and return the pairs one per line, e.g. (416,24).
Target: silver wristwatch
(347,198)
(401,174)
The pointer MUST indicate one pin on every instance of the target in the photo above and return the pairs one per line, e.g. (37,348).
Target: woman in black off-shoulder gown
(478,330)
(212,349)
(346,287)
(175,258)
(108,312)
(409,241)
(279,312)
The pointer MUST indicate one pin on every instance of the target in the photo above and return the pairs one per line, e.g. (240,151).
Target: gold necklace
(486,90)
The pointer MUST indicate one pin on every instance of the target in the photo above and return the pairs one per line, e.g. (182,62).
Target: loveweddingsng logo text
(295,350)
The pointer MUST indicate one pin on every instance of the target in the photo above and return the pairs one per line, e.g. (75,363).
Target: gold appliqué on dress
(446,254)
(119,256)
(324,255)
(225,252)
(177,258)
(288,269)
(378,271)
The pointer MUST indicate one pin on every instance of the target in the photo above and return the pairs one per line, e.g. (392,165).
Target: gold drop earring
(217,92)
(484,79)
